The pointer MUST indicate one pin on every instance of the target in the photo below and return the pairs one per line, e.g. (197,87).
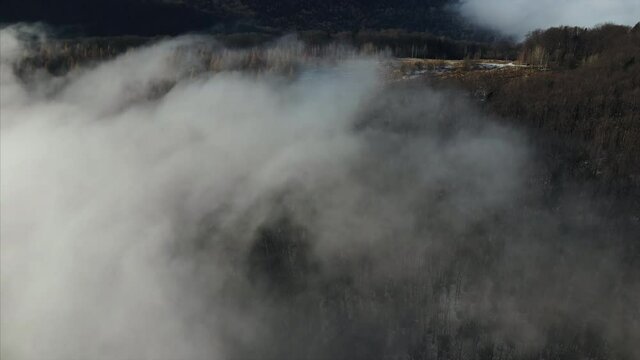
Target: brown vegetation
(589,101)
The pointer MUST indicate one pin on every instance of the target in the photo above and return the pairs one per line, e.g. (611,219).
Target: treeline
(571,47)
(395,42)
(425,45)
(61,55)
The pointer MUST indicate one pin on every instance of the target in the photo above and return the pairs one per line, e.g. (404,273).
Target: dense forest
(172,17)
(588,99)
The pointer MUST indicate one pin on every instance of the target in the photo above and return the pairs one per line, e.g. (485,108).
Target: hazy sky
(518,17)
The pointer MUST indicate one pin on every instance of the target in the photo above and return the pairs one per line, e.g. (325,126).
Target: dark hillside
(588,100)
(104,18)
(164,17)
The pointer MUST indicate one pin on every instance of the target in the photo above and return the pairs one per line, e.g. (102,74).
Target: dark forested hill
(109,17)
(586,98)
(170,17)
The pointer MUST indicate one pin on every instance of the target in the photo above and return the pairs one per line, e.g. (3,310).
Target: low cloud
(155,210)
(517,18)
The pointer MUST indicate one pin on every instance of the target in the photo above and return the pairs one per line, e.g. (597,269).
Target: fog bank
(154,210)
(519,17)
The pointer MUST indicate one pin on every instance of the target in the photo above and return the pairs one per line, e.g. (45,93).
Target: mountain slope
(170,17)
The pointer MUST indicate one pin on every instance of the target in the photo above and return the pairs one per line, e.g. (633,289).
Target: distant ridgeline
(172,17)
(61,55)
